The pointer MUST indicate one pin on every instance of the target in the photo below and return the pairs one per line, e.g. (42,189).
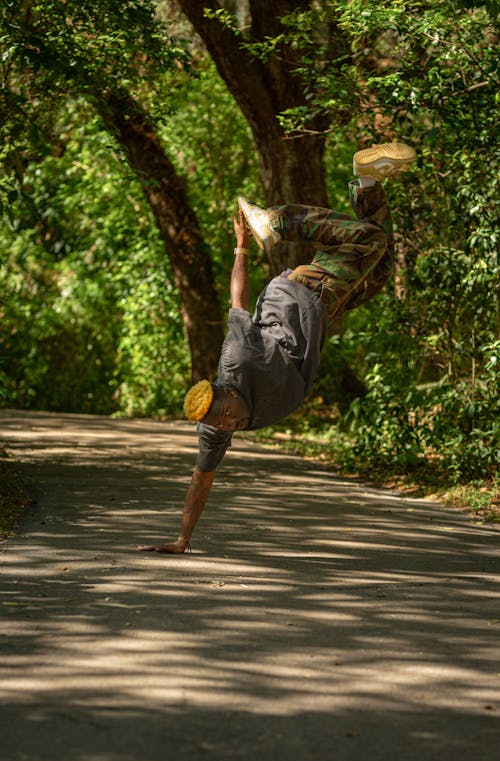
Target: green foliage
(89,313)
(14,498)
(51,52)
(212,147)
(440,92)
(426,73)
(152,361)
(76,260)
(99,42)
(90,316)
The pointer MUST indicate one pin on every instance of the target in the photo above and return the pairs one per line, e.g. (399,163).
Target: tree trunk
(291,167)
(178,226)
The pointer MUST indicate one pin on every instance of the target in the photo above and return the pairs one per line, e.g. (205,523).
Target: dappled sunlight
(306,597)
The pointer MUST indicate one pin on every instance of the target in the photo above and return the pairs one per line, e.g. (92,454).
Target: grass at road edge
(479,498)
(13,496)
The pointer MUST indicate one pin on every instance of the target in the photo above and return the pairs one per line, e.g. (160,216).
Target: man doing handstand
(269,360)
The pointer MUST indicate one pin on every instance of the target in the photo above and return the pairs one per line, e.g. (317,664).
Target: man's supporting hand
(176,548)
(196,499)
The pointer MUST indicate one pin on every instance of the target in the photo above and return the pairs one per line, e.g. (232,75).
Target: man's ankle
(367,181)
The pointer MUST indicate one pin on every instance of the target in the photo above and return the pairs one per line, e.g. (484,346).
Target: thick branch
(243,73)
(177,224)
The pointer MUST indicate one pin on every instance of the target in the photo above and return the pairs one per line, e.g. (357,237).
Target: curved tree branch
(177,223)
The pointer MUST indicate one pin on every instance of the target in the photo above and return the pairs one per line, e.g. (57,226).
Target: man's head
(219,407)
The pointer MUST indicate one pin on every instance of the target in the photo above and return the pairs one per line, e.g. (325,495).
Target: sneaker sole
(388,156)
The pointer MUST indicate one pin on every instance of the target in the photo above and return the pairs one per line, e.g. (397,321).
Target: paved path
(315,619)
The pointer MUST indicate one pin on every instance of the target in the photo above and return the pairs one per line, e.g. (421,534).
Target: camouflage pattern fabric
(353,258)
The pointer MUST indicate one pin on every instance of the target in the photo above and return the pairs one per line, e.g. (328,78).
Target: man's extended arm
(196,499)
(201,482)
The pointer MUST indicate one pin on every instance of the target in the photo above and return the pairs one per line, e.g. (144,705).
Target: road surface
(316,618)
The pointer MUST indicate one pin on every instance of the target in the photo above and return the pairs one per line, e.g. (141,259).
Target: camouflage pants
(353,258)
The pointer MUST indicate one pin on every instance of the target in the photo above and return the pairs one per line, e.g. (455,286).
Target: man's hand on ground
(176,548)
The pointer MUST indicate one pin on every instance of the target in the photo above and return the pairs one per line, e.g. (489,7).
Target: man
(268,361)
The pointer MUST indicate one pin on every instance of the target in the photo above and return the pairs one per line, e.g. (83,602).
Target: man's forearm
(240,284)
(196,499)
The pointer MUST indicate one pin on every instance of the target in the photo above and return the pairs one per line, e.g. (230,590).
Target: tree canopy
(127,131)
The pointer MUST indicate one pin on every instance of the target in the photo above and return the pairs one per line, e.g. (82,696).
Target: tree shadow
(316,618)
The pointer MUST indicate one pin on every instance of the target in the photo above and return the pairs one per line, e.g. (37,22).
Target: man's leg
(348,251)
(353,257)
(359,257)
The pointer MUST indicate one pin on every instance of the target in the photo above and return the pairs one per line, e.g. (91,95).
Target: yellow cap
(198,400)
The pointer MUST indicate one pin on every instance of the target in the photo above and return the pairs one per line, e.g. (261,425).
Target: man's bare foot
(176,548)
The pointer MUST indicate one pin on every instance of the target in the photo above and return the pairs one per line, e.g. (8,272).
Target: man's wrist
(241,250)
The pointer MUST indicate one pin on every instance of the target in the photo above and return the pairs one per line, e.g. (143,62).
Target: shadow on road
(315,619)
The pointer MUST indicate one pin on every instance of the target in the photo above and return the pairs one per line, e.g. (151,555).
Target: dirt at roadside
(14,498)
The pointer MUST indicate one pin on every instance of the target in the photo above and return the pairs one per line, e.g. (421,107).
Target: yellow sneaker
(259,224)
(383,160)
